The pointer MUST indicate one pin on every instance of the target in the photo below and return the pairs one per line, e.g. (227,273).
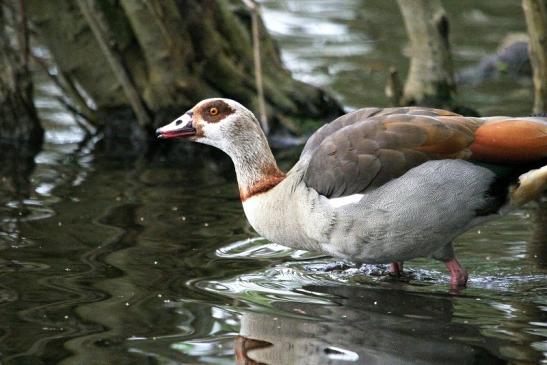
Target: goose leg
(458,275)
(396,268)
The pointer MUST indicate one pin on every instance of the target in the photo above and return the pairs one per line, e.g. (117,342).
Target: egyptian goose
(378,185)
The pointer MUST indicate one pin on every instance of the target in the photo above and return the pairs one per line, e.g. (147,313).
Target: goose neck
(256,169)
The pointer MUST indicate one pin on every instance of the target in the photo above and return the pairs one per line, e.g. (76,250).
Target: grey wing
(360,115)
(365,153)
(345,120)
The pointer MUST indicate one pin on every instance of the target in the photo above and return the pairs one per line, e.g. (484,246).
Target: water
(151,261)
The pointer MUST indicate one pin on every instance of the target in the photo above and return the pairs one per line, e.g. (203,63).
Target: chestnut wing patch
(511,140)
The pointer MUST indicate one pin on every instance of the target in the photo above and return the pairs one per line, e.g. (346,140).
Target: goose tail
(530,186)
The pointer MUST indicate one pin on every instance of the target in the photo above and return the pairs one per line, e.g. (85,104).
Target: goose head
(229,126)
(222,123)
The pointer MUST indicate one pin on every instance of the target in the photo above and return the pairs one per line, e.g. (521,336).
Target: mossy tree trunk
(535,12)
(430,78)
(18,117)
(175,53)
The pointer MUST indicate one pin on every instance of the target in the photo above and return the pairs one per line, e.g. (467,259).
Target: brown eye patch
(214,111)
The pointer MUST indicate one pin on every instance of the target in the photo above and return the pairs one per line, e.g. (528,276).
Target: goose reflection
(363,326)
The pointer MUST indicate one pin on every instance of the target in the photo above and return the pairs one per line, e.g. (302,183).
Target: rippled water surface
(151,261)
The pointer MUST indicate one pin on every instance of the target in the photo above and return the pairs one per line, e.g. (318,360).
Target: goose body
(416,216)
(378,185)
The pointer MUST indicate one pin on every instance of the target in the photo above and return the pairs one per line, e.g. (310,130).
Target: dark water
(139,261)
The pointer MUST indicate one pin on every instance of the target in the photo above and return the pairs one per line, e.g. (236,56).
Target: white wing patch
(345,200)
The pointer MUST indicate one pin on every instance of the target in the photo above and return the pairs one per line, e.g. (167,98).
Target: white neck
(255,165)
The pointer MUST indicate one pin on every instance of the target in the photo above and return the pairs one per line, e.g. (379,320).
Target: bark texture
(430,78)
(535,12)
(18,117)
(174,52)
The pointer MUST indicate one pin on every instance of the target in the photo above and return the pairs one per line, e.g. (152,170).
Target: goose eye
(213,111)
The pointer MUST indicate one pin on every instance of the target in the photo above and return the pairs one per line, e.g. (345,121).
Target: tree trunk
(18,117)
(536,20)
(107,44)
(430,79)
(175,53)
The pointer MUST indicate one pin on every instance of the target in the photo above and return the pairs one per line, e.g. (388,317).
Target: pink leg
(458,275)
(396,268)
